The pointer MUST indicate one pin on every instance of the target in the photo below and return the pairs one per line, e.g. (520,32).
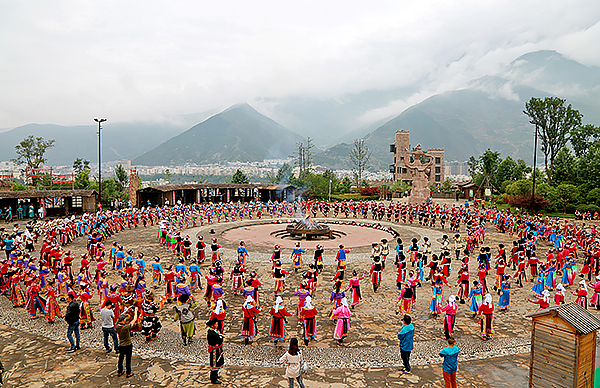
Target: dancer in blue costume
(504,300)
(538,287)
(476,297)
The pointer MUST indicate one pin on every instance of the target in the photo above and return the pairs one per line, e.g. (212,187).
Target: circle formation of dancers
(40,280)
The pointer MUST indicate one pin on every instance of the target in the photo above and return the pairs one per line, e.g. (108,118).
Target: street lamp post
(533,176)
(99,121)
(330,190)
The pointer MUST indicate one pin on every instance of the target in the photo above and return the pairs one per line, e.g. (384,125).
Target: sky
(66,62)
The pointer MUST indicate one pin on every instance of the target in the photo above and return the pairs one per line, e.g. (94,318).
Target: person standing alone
(406,337)
(72,318)
(450,365)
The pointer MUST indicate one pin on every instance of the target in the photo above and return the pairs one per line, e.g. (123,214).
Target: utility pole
(99,121)
(534,163)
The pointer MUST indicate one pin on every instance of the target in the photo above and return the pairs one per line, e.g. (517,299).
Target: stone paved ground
(36,362)
(374,327)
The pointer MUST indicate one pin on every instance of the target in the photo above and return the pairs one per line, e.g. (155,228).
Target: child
(450,365)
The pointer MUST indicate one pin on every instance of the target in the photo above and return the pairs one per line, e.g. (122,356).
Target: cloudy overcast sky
(65,62)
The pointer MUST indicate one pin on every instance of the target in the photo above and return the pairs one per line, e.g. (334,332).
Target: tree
(583,137)
(239,178)
(486,165)
(360,156)
(565,167)
(506,170)
(564,195)
(122,177)
(345,185)
(81,168)
(447,186)
(554,121)
(283,176)
(588,167)
(30,151)
(303,157)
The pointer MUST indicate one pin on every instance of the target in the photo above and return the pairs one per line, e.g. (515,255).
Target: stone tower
(401,148)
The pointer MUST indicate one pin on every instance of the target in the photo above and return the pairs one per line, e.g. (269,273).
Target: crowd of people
(38,279)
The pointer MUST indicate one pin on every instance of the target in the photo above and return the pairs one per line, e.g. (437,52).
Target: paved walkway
(37,362)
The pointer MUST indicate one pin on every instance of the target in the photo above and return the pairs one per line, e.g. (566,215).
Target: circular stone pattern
(260,235)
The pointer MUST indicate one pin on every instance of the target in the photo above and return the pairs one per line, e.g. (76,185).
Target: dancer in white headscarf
(219,314)
(309,312)
(342,327)
(559,297)
(451,308)
(249,328)
(582,294)
(486,310)
(278,331)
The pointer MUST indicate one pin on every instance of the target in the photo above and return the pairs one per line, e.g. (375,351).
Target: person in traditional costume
(200,246)
(559,297)
(504,300)
(214,248)
(219,313)
(195,273)
(337,295)
(437,297)
(463,283)
(476,297)
(309,312)
(34,301)
(215,350)
(237,275)
(582,294)
(595,300)
(538,287)
(276,256)
(52,308)
(405,299)
(87,317)
(279,276)
(157,272)
(257,284)
(115,297)
(354,286)
(296,257)
(249,327)
(242,254)
(170,277)
(486,310)
(318,258)
(211,279)
(278,332)
(342,326)
(543,301)
(150,323)
(375,272)
(451,308)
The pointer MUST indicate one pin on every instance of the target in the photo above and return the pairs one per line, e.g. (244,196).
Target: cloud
(66,62)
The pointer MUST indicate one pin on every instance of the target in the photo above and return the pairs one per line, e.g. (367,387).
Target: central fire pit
(308,229)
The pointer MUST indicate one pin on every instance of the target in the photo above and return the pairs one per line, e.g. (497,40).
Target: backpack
(186,315)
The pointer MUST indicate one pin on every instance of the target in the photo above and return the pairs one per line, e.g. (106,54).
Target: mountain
(487,113)
(463,122)
(119,140)
(239,133)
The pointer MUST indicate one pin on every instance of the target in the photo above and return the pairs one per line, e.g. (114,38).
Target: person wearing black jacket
(72,318)
(215,350)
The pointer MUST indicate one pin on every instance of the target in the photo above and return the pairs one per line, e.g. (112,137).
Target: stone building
(401,149)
